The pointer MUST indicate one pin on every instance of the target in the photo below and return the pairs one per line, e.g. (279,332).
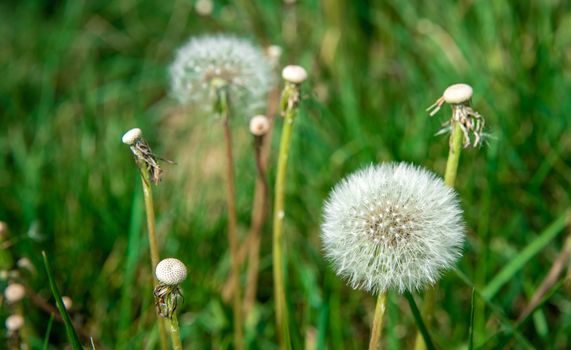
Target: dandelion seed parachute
(392,226)
(242,66)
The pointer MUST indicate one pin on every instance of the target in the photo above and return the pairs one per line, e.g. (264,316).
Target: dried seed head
(14,292)
(294,74)
(131,136)
(203,61)
(14,322)
(259,125)
(392,226)
(170,271)
(204,7)
(67,302)
(458,93)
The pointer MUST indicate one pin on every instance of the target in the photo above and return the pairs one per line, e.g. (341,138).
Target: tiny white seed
(294,74)
(131,136)
(458,93)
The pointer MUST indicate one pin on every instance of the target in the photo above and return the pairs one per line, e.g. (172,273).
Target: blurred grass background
(76,74)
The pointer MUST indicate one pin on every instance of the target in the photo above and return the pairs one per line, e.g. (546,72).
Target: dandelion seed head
(294,74)
(392,226)
(67,302)
(241,65)
(14,292)
(259,125)
(170,271)
(14,322)
(458,93)
(131,136)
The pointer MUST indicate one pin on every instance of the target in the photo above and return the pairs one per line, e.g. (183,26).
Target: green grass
(74,75)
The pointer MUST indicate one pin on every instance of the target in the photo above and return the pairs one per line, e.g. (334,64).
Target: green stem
(153,245)
(232,221)
(282,319)
(175,333)
(377,329)
(449,180)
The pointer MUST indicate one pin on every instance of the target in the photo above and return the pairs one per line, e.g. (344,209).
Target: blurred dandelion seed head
(14,293)
(392,226)
(14,322)
(242,66)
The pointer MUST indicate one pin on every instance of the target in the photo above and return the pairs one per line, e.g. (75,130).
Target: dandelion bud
(14,322)
(131,136)
(458,93)
(14,293)
(67,302)
(392,226)
(259,125)
(294,74)
(170,271)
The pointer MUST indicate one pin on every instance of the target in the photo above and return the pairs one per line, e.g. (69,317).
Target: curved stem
(377,328)
(232,221)
(449,180)
(153,245)
(291,95)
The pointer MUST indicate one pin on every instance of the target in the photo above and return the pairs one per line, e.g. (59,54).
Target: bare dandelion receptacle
(294,74)
(259,125)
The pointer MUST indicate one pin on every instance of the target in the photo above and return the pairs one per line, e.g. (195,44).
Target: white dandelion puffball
(170,271)
(236,62)
(14,292)
(392,226)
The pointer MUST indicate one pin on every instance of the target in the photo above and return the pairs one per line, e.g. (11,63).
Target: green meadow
(76,75)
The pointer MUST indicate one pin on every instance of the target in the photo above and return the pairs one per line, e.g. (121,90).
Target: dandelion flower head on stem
(238,64)
(392,226)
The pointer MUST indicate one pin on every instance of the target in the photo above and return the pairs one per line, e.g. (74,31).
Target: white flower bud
(14,322)
(392,226)
(458,93)
(131,136)
(259,125)
(14,292)
(67,302)
(170,271)
(294,74)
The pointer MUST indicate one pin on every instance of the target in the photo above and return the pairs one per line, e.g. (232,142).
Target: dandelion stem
(449,180)
(377,329)
(258,217)
(153,245)
(174,328)
(289,101)
(232,221)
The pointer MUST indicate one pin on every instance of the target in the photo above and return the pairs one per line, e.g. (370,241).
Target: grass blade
(522,258)
(419,322)
(71,334)
(48,332)
(471,326)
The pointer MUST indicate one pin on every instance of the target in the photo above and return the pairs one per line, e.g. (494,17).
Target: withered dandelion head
(170,272)
(392,226)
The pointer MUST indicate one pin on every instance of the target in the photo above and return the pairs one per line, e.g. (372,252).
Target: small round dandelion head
(458,93)
(294,74)
(170,271)
(14,292)
(392,226)
(259,125)
(131,136)
(14,322)
(241,66)
(67,302)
